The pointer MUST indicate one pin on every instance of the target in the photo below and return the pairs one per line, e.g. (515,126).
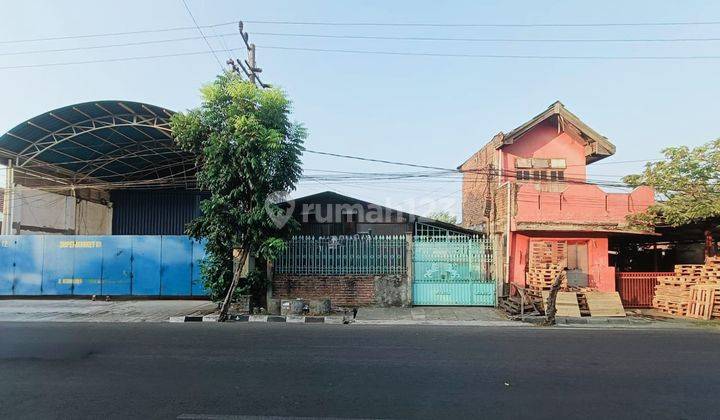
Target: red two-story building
(528,189)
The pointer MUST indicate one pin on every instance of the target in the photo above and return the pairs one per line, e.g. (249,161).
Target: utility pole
(249,66)
(251,61)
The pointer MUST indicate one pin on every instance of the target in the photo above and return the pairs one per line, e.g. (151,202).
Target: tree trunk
(710,250)
(233,285)
(550,308)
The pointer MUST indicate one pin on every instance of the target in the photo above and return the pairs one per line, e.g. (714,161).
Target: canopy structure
(103,144)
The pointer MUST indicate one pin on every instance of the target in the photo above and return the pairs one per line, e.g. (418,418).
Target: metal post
(8,195)
(269,275)
(409,266)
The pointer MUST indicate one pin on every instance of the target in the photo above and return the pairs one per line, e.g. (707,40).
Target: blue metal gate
(118,265)
(452,270)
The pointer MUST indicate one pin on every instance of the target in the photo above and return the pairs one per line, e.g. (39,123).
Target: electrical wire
(499,56)
(124,44)
(111,34)
(109,60)
(484,40)
(487,25)
(203,35)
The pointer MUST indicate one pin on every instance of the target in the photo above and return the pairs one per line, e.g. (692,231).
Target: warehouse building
(97,168)
(108,170)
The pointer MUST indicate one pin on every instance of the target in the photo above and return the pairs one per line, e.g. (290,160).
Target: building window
(557,176)
(539,169)
(522,175)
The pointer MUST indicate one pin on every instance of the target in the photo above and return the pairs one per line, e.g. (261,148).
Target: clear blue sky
(428,110)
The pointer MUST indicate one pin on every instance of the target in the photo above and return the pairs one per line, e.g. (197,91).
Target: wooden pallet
(605,304)
(689,269)
(566,304)
(702,300)
(712,261)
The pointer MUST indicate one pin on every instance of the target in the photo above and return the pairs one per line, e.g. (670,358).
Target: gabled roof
(331,197)
(597,146)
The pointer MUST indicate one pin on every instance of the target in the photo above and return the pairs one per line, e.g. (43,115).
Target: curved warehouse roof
(102,142)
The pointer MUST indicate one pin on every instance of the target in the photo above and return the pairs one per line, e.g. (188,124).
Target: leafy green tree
(443,216)
(687,182)
(247,150)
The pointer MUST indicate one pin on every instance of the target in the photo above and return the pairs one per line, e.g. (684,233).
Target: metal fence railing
(337,255)
(637,289)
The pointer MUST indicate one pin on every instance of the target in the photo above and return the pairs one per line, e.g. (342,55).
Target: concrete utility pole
(249,66)
(251,62)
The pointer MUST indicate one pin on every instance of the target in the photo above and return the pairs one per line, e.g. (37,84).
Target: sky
(420,109)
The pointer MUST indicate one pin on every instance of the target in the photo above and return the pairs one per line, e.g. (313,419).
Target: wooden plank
(604,304)
(566,304)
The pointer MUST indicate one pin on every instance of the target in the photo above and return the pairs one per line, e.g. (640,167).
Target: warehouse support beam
(8,199)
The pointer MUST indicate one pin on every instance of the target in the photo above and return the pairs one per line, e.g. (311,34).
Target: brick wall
(475,185)
(347,290)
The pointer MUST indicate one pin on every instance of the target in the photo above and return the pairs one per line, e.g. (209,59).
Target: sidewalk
(446,315)
(492,317)
(85,310)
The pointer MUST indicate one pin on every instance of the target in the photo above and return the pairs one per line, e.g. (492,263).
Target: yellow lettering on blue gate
(80,244)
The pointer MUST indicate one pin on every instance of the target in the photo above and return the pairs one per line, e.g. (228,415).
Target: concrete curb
(290,319)
(438,322)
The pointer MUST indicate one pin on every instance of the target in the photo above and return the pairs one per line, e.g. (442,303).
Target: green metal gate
(452,270)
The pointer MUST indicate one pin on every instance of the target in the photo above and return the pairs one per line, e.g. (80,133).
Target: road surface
(114,370)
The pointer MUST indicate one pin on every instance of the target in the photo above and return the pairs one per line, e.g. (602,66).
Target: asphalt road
(167,370)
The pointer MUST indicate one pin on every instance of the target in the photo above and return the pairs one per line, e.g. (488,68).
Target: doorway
(577,263)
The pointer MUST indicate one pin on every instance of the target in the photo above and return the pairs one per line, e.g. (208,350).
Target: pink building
(529,190)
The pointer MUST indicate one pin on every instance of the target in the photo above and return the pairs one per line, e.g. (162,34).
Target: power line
(532,40)
(124,44)
(487,25)
(506,173)
(109,60)
(499,56)
(202,34)
(394,53)
(110,34)
(379,160)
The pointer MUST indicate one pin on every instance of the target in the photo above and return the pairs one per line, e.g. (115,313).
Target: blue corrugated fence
(44,265)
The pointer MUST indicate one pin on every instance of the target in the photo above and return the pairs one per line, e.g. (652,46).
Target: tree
(443,216)
(247,150)
(687,182)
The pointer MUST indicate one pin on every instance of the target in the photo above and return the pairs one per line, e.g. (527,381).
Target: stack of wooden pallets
(541,277)
(693,291)
(672,294)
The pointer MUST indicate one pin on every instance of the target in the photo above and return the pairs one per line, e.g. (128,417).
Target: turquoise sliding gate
(452,270)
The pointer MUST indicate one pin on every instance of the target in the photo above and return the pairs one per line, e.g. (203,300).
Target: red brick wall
(347,290)
(475,185)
